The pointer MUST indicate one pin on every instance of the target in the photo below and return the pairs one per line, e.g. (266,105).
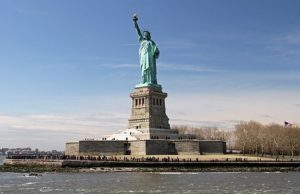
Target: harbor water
(147,182)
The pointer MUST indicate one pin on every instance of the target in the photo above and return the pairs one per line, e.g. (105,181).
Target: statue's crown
(146,31)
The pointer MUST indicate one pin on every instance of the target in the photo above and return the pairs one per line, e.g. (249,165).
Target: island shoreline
(40,166)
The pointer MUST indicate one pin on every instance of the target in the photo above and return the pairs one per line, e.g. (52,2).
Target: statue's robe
(148,54)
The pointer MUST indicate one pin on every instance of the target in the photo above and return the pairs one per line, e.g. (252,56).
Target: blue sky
(67,67)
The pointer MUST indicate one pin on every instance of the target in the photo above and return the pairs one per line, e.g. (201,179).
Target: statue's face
(147,35)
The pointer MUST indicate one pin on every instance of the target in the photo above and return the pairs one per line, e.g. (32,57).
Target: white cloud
(220,108)
(76,123)
(166,66)
(286,46)
(118,66)
(61,127)
(290,38)
(130,44)
(177,45)
(225,110)
(188,67)
(233,81)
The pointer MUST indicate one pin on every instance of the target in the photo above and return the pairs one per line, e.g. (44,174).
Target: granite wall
(102,147)
(137,147)
(160,147)
(145,147)
(187,147)
(212,146)
(72,148)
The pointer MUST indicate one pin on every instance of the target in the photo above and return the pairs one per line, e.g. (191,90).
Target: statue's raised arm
(135,19)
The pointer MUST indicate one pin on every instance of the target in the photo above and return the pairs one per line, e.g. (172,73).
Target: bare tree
(253,138)
(242,136)
(182,129)
(292,140)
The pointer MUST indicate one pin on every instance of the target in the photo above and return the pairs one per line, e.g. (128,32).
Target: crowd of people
(140,159)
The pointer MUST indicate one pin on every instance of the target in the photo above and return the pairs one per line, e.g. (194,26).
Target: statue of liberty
(148,54)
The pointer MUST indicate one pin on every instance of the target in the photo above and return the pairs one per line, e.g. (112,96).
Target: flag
(287,124)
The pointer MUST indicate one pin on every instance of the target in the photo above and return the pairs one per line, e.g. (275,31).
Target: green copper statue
(148,54)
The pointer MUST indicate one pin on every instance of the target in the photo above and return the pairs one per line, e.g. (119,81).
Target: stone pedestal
(148,108)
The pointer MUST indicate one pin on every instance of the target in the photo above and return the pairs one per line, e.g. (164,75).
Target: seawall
(200,164)
(149,164)
(33,162)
